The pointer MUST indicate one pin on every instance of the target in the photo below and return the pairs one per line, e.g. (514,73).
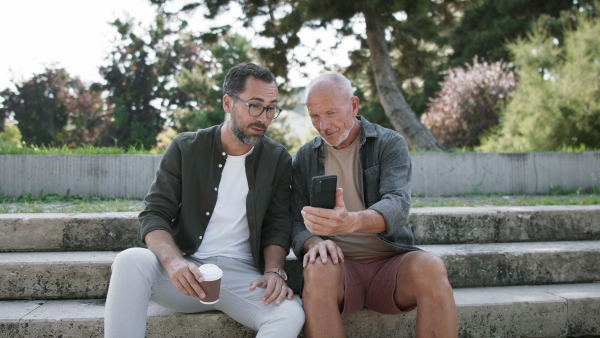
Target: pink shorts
(370,283)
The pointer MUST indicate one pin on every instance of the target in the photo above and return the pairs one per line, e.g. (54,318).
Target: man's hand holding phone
(329,222)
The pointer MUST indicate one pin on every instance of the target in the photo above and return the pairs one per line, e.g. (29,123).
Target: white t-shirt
(227,232)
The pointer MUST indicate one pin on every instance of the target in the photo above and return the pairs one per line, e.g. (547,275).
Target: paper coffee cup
(212,283)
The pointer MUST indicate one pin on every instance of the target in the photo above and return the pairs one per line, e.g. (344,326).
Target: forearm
(368,221)
(161,243)
(274,257)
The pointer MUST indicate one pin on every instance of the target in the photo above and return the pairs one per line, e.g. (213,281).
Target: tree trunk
(396,109)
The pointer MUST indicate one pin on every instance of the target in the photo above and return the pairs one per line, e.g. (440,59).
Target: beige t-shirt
(344,163)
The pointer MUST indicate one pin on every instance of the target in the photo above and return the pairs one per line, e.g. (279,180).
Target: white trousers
(138,278)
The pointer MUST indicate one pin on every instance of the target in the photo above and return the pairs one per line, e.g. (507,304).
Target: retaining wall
(130,176)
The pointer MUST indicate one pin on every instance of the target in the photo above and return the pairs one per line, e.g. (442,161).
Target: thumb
(339,198)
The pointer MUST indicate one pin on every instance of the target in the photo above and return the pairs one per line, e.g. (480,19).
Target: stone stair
(516,272)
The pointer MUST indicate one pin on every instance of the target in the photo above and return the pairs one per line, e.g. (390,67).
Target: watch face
(282,274)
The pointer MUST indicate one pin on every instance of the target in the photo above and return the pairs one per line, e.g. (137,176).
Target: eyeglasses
(255,110)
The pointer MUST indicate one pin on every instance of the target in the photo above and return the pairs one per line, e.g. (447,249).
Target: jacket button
(220,166)
(224,154)
(207,213)
(215,188)
(199,237)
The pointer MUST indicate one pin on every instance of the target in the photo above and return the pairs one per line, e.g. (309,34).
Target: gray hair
(340,81)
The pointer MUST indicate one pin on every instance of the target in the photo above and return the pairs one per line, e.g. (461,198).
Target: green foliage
(280,131)
(484,29)
(467,105)
(53,108)
(12,149)
(10,136)
(40,106)
(202,85)
(28,203)
(557,104)
(141,75)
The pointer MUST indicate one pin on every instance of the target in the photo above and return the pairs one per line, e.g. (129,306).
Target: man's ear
(227,103)
(355,102)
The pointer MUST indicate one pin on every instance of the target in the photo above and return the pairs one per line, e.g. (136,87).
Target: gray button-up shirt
(384,164)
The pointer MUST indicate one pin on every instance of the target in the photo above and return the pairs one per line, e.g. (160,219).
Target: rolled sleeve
(395,184)
(164,197)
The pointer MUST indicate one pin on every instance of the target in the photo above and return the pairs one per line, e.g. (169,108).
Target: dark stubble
(241,133)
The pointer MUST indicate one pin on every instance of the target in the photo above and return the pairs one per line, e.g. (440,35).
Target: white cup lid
(210,272)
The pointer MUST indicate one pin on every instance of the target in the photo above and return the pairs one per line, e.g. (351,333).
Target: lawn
(78,204)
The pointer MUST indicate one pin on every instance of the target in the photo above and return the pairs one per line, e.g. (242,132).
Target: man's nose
(324,124)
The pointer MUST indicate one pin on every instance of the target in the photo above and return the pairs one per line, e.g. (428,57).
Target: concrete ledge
(433,174)
(54,275)
(498,264)
(66,232)
(118,231)
(515,311)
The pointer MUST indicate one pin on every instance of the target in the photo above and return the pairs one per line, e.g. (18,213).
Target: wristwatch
(280,273)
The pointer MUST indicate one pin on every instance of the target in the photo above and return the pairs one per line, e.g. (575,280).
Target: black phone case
(322,193)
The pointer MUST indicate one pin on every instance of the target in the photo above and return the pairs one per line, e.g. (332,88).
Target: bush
(467,104)
(557,104)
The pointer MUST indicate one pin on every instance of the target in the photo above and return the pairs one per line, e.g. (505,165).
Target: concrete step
(118,231)
(514,311)
(56,275)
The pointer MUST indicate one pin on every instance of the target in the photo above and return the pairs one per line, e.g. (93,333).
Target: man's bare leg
(422,279)
(322,298)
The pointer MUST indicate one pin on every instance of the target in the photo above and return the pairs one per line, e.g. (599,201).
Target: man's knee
(322,277)
(130,259)
(428,271)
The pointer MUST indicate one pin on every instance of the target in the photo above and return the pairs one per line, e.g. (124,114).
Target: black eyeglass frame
(250,105)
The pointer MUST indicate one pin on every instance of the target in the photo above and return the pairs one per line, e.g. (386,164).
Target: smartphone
(322,193)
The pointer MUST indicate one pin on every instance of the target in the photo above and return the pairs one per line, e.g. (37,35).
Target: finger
(290,293)
(180,287)
(194,285)
(282,294)
(277,293)
(333,253)
(340,254)
(268,296)
(196,272)
(339,198)
(323,253)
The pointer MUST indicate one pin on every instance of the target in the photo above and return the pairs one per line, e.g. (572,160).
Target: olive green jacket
(183,195)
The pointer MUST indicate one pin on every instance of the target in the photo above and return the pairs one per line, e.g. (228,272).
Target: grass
(496,200)
(53,203)
(81,150)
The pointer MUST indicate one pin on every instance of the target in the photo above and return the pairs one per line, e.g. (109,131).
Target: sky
(76,35)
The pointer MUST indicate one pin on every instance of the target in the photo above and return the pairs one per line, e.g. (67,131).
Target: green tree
(486,27)
(141,75)
(87,118)
(10,136)
(284,19)
(557,103)
(40,106)
(202,85)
